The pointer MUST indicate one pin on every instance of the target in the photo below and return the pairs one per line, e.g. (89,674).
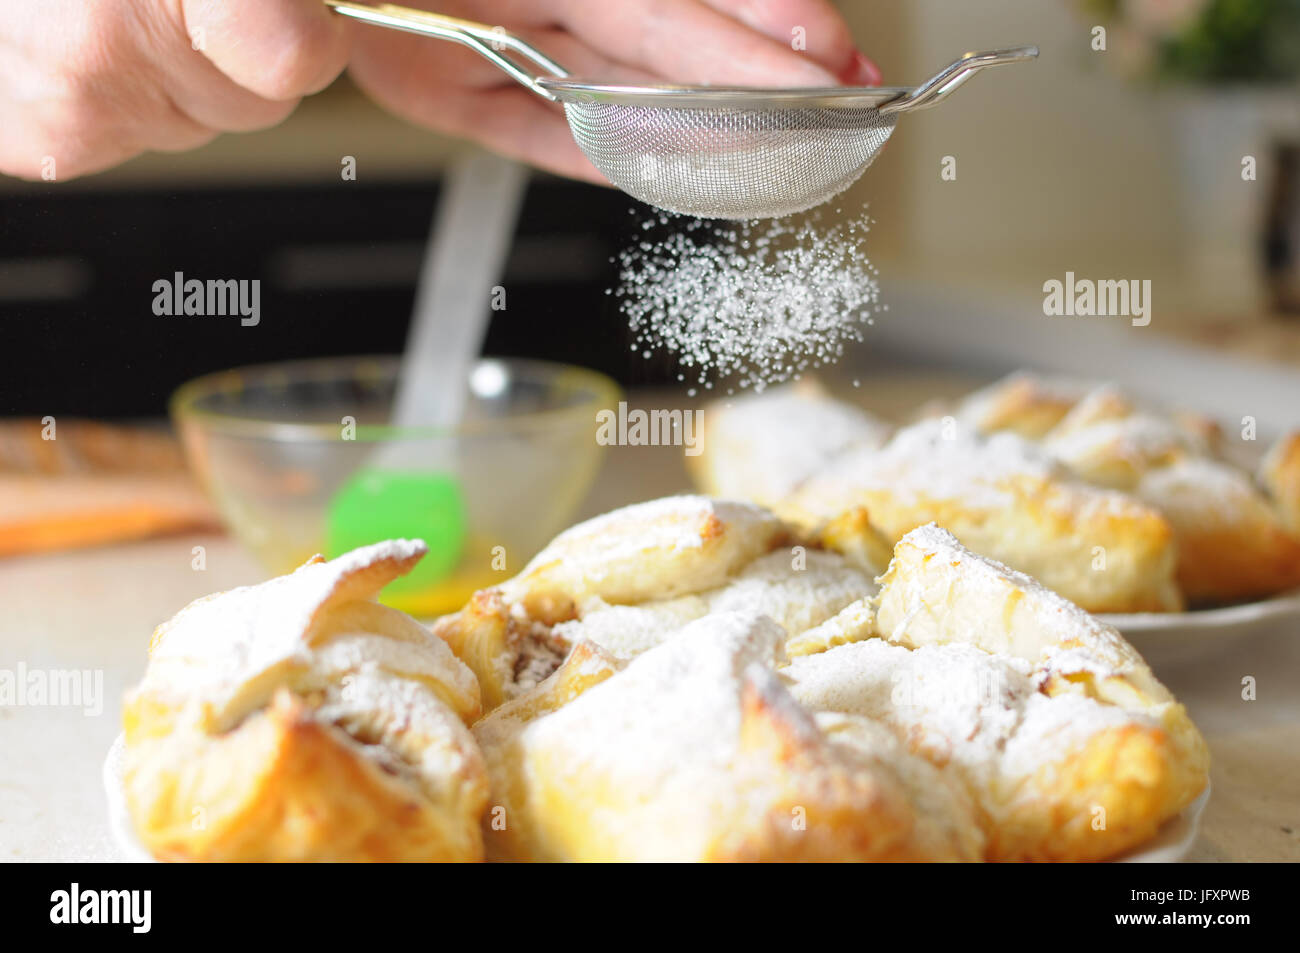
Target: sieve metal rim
(580,92)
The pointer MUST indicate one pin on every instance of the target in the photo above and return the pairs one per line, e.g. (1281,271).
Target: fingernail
(861,72)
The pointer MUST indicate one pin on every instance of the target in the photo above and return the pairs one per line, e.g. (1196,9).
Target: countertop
(95,609)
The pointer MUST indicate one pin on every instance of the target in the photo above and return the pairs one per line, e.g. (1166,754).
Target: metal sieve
(710,151)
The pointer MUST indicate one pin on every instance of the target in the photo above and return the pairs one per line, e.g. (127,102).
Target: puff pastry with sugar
(299,720)
(1118,504)
(1070,747)
(1026,404)
(630,579)
(760,447)
(1233,544)
(1108,440)
(1004,498)
(1235,541)
(1280,473)
(696,751)
(960,712)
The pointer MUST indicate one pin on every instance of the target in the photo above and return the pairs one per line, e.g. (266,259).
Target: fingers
(454,90)
(279,50)
(745,42)
(241,65)
(507,120)
(516,123)
(812,27)
(686,41)
(87,95)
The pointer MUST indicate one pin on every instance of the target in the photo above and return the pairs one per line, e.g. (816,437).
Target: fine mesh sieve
(728,162)
(714,152)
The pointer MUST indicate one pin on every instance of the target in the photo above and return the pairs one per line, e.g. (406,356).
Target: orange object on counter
(78,483)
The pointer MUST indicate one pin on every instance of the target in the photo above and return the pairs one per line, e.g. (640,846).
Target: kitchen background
(1071,164)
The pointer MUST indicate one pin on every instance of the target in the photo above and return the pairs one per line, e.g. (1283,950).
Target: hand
(85,84)
(738,42)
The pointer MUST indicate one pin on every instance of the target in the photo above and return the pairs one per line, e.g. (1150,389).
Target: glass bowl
(279,446)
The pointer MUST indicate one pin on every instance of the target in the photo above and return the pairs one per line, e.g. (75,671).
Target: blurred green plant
(1204,41)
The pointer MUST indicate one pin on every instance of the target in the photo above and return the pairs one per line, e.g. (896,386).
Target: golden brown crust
(1022,403)
(642,572)
(1071,747)
(1103,550)
(571,782)
(1280,475)
(482,636)
(1157,543)
(696,749)
(652,550)
(1232,544)
(285,787)
(299,720)
(1106,799)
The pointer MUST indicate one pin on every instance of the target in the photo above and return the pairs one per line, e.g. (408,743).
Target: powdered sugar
(797,599)
(628,631)
(670,523)
(1136,439)
(979,711)
(759,302)
(995,606)
(218,642)
(941,460)
(934,460)
(764,445)
(660,549)
(693,683)
(1219,491)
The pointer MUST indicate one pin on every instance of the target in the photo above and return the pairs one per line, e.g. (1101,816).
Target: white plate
(1171,843)
(119,818)
(1180,636)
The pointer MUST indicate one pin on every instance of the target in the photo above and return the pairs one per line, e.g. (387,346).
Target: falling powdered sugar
(756,303)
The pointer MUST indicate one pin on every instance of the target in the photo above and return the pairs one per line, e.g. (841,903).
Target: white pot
(1222,212)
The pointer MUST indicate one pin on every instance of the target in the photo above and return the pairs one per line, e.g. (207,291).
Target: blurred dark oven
(337,266)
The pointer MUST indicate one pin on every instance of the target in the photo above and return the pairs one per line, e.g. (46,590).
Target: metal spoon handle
(936,89)
(489,42)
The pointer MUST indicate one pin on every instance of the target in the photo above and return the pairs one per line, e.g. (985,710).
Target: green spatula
(413,488)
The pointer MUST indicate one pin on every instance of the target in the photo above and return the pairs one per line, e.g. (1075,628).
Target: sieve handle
(936,89)
(487,41)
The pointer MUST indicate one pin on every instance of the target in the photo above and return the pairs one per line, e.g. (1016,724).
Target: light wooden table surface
(95,610)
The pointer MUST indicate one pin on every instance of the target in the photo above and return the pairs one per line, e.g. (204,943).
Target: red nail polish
(861,72)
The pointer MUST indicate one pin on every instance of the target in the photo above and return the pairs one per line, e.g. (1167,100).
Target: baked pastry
(1107,440)
(299,720)
(696,751)
(1025,404)
(1002,497)
(760,447)
(1070,747)
(1280,474)
(686,679)
(1117,504)
(631,578)
(1234,541)
(960,712)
